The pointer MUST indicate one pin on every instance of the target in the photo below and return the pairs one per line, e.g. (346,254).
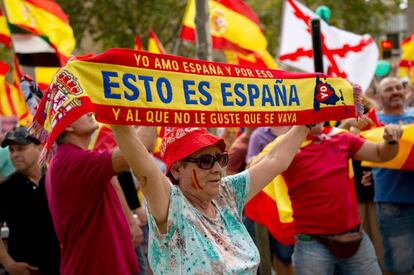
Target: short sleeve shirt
(196,244)
(32,239)
(87,214)
(320,189)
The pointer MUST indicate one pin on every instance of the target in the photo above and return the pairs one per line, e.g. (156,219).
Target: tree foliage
(113,23)
(359,16)
(270,16)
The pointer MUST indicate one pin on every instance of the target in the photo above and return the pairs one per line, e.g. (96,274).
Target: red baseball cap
(180,143)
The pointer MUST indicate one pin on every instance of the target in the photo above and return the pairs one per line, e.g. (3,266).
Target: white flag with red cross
(345,54)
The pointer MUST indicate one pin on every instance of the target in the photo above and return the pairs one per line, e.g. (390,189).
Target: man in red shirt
(86,210)
(324,204)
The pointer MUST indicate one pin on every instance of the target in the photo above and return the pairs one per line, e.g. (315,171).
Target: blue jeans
(282,252)
(141,252)
(396,223)
(312,257)
(250,226)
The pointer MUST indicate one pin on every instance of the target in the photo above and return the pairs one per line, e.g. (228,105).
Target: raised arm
(381,151)
(119,163)
(358,123)
(277,160)
(154,184)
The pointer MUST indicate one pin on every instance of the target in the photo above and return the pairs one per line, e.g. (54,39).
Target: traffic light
(386,48)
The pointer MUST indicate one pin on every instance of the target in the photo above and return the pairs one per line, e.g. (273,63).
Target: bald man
(394,189)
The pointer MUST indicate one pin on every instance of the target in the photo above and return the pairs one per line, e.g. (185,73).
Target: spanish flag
(157,146)
(12,101)
(260,58)
(154,44)
(4,30)
(406,64)
(45,19)
(405,157)
(138,43)
(272,207)
(44,76)
(5,97)
(233,24)
(24,114)
(17,72)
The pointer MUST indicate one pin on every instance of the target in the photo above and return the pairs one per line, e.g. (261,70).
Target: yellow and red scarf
(130,87)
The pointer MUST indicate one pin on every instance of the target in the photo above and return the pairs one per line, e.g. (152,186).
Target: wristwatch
(310,126)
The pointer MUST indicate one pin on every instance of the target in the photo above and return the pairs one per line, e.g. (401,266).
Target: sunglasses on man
(206,161)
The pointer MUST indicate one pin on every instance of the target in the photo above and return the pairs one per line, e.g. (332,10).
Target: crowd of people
(81,214)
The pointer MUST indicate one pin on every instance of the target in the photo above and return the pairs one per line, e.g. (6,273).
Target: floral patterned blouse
(196,244)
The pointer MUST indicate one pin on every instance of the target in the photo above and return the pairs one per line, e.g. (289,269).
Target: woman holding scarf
(195,214)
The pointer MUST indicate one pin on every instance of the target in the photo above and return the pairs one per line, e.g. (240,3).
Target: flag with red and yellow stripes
(5,98)
(405,157)
(45,19)
(272,208)
(4,30)
(12,101)
(233,24)
(154,44)
(138,43)
(260,58)
(44,76)
(17,72)
(406,64)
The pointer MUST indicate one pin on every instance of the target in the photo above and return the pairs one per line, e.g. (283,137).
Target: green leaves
(113,23)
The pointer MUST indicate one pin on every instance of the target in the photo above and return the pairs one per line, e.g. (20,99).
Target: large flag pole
(203,37)
(317,45)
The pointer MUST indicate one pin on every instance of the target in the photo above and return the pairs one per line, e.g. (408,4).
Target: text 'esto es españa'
(236,90)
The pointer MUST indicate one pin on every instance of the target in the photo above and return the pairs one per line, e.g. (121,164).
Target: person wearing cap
(195,214)
(33,247)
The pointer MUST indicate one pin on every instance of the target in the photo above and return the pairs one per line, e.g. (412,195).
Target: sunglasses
(207,161)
